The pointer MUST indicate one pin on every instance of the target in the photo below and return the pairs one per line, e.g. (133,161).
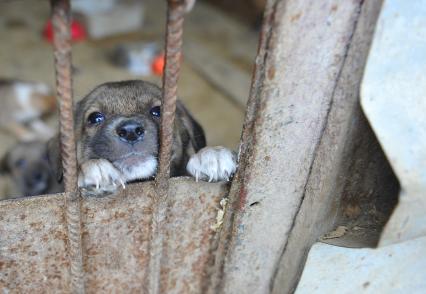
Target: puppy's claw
(99,177)
(212,164)
(122,184)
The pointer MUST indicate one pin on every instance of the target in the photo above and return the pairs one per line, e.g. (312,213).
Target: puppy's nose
(35,177)
(130,132)
(38,177)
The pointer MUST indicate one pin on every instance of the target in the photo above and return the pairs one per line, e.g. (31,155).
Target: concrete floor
(25,55)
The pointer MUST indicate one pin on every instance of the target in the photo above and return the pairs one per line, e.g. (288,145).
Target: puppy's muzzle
(36,177)
(130,131)
(36,181)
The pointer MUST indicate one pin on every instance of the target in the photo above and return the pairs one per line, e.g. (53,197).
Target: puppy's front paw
(212,164)
(99,177)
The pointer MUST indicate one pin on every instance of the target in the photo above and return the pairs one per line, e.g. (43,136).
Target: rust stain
(36,226)
(271,72)
(119,214)
(334,8)
(60,235)
(295,17)
(117,251)
(242,198)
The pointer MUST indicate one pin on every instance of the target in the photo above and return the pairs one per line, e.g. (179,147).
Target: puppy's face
(119,122)
(28,167)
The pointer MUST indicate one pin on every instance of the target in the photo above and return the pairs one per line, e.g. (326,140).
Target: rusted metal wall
(347,152)
(34,245)
(156,237)
(291,145)
(34,248)
(152,237)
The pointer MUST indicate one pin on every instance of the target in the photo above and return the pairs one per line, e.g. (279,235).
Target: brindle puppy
(117,134)
(27,166)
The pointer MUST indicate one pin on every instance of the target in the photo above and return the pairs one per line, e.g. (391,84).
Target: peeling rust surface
(238,191)
(302,49)
(33,245)
(189,238)
(116,240)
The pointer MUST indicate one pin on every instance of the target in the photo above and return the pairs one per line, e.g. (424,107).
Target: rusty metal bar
(176,10)
(237,189)
(173,55)
(256,83)
(241,244)
(62,52)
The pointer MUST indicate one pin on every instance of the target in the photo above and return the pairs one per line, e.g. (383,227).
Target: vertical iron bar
(237,188)
(62,52)
(173,55)
(176,10)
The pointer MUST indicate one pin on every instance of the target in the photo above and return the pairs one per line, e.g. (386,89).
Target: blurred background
(118,40)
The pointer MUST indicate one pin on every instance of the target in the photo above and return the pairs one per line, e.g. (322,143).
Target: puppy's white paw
(212,164)
(99,177)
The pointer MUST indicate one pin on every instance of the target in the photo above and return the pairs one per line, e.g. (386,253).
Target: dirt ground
(25,55)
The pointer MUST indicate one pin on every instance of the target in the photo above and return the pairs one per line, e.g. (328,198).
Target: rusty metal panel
(33,245)
(116,240)
(306,43)
(116,233)
(345,144)
(189,237)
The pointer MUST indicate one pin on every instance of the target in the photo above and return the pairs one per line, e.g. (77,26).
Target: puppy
(23,104)
(117,135)
(27,165)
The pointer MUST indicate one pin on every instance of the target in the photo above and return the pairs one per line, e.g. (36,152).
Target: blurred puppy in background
(22,106)
(27,167)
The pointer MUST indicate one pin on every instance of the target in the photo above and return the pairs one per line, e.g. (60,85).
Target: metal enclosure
(302,125)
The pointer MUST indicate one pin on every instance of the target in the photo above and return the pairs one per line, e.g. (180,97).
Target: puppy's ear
(54,157)
(4,164)
(195,131)
(198,138)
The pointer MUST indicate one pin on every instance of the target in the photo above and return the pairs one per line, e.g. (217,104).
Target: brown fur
(122,101)
(27,166)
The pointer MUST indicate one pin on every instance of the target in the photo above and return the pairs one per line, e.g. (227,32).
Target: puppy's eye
(96,118)
(20,163)
(155,111)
